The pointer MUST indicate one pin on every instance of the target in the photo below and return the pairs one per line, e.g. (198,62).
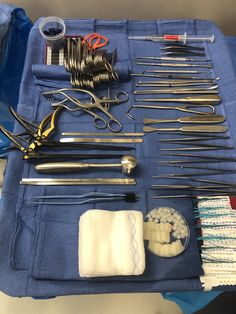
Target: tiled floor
(93,304)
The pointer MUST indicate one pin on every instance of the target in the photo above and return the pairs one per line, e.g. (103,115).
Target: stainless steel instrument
(127,164)
(80,199)
(198,148)
(173,59)
(215,182)
(101,134)
(182,140)
(180,81)
(184,108)
(100,140)
(173,84)
(78,181)
(206,119)
(95,103)
(182,47)
(173,196)
(207,99)
(170,75)
(191,187)
(178,91)
(209,169)
(175,65)
(177,72)
(207,157)
(181,52)
(194,161)
(189,175)
(190,195)
(198,129)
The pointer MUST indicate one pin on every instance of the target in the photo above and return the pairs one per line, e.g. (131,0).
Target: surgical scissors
(183,108)
(96,103)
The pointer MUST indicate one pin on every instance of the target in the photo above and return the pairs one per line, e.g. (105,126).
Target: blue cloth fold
(14,31)
(33,232)
(58,74)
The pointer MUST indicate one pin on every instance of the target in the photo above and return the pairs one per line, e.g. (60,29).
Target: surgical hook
(183,108)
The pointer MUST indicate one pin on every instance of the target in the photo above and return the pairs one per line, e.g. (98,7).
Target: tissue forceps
(190,196)
(172,59)
(97,103)
(176,65)
(179,90)
(182,140)
(201,147)
(186,175)
(174,84)
(174,71)
(206,99)
(165,75)
(193,188)
(183,108)
(219,158)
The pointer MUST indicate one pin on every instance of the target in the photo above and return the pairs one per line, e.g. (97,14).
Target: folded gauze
(111,243)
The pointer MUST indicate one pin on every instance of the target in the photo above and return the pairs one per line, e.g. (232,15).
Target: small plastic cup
(53,29)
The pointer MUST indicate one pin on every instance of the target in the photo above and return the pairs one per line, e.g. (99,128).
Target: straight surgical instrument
(203,128)
(197,148)
(127,164)
(172,196)
(182,47)
(215,182)
(178,71)
(182,140)
(100,140)
(207,119)
(171,81)
(77,181)
(202,168)
(176,52)
(172,59)
(193,161)
(203,145)
(169,75)
(102,134)
(188,196)
(207,99)
(188,175)
(208,158)
(178,91)
(175,84)
(175,65)
(191,187)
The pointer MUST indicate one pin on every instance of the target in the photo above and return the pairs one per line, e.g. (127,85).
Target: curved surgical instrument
(183,108)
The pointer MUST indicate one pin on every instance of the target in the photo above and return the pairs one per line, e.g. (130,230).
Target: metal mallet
(127,164)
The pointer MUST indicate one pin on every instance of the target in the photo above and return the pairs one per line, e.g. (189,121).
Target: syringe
(175,38)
